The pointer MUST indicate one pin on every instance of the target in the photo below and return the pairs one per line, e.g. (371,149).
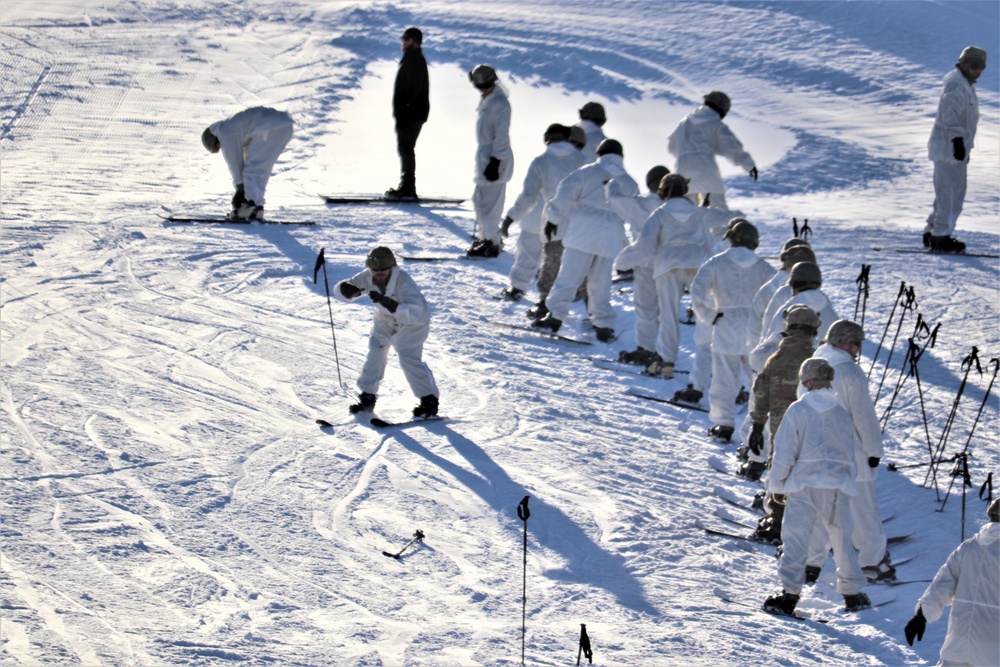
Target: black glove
(240,197)
(756,441)
(505,226)
(389,304)
(492,171)
(349,291)
(753,173)
(550,230)
(958,144)
(873,461)
(718,317)
(915,627)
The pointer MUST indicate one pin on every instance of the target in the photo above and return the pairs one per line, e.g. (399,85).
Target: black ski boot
(752,470)
(783,604)
(812,574)
(721,433)
(547,322)
(366,403)
(512,294)
(884,572)
(485,248)
(604,334)
(639,355)
(538,311)
(946,244)
(856,602)
(428,407)
(689,395)
(743,397)
(926,239)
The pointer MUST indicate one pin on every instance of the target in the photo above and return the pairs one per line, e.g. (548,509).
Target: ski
(442,258)
(539,332)
(735,500)
(631,369)
(903,582)
(895,539)
(718,465)
(723,532)
(728,516)
(913,251)
(669,401)
(223,220)
(324,423)
(383,199)
(416,421)
(797,616)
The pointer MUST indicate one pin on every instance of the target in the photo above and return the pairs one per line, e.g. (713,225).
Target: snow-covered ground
(165,497)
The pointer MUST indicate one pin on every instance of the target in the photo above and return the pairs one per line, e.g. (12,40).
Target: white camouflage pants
(670,288)
(527,259)
(868,536)
(804,509)
(950,182)
(487,201)
(259,160)
(409,345)
(647,309)
(576,267)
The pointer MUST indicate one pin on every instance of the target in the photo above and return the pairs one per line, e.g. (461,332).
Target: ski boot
(783,605)
(856,602)
(401,193)
(512,294)
(538,311)
(884,572)
(637,356)
(485,248)
(689,395)
(660,368)
(752,470)
(604,334)
(812,574)
(248,211)
(428,407)
(927,239)
(721,433)
(547,322)
(366,403)
(768,531)
(743,397)
(946,244)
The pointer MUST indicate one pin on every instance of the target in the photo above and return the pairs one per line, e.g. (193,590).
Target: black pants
(406,141)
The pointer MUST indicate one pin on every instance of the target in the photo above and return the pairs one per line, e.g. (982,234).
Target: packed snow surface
(165,495)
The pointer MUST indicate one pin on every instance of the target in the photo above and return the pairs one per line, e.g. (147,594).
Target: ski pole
(913,355)
(321,262)
(892,313)
(862,282)
(584,646)
(967,364)
(894,467)
(961,469)
(987,490)
(806,231)
(986,397)
(417,537)
(910,303)
(523,513)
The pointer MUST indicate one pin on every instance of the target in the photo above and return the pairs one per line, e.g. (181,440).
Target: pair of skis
(383,424)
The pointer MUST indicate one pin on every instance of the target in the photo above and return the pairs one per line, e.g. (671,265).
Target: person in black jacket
(410,107)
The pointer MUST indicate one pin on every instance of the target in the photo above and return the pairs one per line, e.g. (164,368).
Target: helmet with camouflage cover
(577,137)
(743,235)
(797,253)
(804,276)
(654,176)
(802,318)
(483,76)
(594,112)
(719,101)
(672,185)
(818,370)
(380,258)
(845,332)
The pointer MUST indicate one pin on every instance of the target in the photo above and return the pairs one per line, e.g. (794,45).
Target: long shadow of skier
(587,563)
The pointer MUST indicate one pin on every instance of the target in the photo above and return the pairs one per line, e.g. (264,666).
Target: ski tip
(386,553)
(324,423)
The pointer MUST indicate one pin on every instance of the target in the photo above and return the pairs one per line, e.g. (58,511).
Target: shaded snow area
(165,495)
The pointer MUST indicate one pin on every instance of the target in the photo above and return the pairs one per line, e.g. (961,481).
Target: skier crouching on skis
(401,320)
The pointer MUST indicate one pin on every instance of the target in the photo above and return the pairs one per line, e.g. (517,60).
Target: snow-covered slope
(165,496)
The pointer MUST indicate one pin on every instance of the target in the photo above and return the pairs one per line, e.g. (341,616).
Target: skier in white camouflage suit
(721,293)
(697,140)
(969,581)
(635,210)
(842,349)
(674,242)
(813,467)
(544,175)
(494,164)
(401,321)
(251,142)
(596,235)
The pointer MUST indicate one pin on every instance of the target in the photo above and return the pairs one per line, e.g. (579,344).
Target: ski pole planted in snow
(986,397)
(417,537)
(967,364)
(584,646)
(861,302)
(888,323)
(523,513)
(321,262)
(909,303)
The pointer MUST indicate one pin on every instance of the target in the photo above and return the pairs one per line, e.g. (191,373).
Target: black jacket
(411,97)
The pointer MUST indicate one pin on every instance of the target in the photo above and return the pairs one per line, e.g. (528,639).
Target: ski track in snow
(167,498)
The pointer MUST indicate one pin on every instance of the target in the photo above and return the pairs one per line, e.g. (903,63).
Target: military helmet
(794,241)
(577,137)
(845,332)
(973,56)
(805,275)
(483,76)
(210,141)
(672,185)
(654,176)
(380,258)
(743,235)
(797,253)
(802,318)
(556,132)
(719,101)
(818,370)
(612,146)
(594,112)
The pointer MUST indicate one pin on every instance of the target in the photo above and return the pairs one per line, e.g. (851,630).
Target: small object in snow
(383,199)
(668,401)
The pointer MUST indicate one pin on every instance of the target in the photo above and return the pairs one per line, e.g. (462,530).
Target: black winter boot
(366,403)
(428,407)
(856,602)
(812,574)
(689,395)
(783,604)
